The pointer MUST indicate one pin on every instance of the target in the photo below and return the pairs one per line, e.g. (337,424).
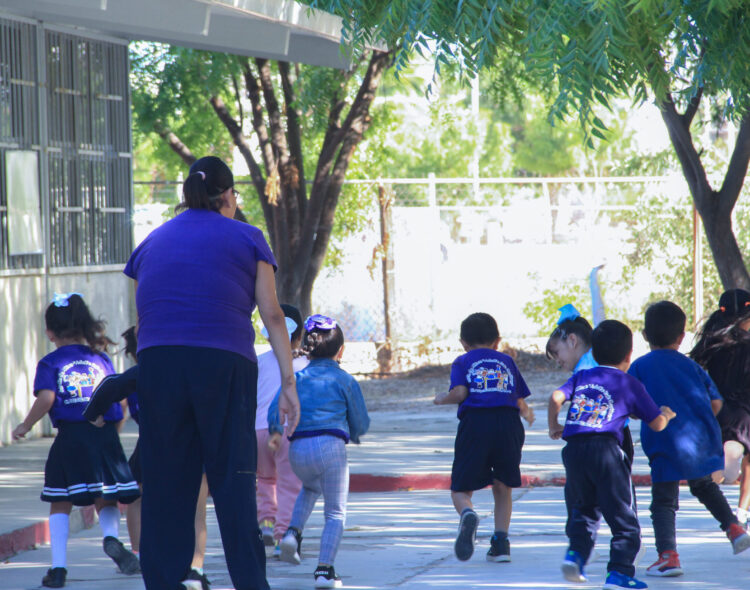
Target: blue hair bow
(61,299)
(291,326)
(568,312)
(320,322)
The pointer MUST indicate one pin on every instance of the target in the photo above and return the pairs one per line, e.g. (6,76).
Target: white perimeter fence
(434,250)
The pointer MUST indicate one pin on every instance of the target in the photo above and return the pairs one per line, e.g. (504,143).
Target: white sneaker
(291,547)
(325,577)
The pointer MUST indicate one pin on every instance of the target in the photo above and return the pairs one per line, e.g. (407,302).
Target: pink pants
(278,487)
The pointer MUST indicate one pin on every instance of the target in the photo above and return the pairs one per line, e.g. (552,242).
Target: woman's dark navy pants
(598,484)
(197,409)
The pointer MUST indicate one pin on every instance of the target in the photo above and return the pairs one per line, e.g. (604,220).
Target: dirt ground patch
(415,389)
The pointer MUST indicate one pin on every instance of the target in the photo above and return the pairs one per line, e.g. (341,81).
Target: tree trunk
(175,143)
(715,207)
(299,225)
(725,251)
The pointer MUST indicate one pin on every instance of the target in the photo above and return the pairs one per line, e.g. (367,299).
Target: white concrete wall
(23,300)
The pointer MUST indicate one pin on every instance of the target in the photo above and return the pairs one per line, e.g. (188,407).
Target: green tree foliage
(590,52)
(296,127)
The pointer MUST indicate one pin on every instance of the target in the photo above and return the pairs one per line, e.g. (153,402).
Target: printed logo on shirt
(590,406)
(76,381)
(489,376)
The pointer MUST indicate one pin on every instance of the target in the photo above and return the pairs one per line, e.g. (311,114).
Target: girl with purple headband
(332,413)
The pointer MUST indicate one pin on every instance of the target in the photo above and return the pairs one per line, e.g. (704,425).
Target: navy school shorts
(488,447)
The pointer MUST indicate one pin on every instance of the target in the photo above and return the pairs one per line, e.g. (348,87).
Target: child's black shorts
(488,446)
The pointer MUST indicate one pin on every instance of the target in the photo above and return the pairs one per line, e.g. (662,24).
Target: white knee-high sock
(59,525)
(109,520)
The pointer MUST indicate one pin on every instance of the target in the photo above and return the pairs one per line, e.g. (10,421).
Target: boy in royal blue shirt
(691,447)
(597,475)
(490,392)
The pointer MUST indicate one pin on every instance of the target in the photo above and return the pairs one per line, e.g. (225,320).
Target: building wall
(23,300)
(63,98)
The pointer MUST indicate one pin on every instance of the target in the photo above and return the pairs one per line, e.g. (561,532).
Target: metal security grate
(89,151)
(71,105)
(19,117)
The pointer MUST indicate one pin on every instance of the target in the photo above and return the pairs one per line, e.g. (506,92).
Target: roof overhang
(274,29)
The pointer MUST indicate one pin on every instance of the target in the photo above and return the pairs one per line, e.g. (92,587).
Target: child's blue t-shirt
(690,446)
(491,377)
(601,399)
(73,372)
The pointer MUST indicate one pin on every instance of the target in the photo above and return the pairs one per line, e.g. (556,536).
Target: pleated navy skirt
(86,462)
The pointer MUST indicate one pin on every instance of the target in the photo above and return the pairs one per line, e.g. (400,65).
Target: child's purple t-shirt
(602,399)
(73,372)
(196,282)
(492,378)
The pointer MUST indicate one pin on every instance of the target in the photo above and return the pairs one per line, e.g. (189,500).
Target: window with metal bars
(19,119)
(81,130)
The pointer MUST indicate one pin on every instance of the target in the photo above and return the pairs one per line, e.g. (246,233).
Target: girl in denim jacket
(332,413)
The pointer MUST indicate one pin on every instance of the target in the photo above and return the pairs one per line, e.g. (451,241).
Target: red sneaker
(668,564)
(739,538)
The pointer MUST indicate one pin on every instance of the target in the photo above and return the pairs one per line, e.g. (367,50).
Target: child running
(490,392)
(690,448)
(596,470)
(332,413)
(86,465)
(278,486)
(569,345)
(723,349)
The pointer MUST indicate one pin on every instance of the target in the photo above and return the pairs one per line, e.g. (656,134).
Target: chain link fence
(427,252)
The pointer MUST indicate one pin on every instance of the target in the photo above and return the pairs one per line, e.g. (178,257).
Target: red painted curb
(38,533)
(31,536)
(365,482)
(24,538)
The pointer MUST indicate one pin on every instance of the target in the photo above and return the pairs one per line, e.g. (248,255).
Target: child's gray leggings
(320,463)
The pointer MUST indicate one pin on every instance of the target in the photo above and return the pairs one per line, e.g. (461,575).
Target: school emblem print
(590,406)
(489,376)
(76,381)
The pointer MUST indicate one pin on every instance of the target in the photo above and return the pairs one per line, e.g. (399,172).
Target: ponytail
(195,194)
(209,177)
(719,333)
(323,337)
(131,342)
(68,317)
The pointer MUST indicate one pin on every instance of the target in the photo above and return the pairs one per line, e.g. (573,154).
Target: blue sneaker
(617,581)
(572,567)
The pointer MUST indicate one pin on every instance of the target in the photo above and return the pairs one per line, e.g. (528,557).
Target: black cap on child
(734,302)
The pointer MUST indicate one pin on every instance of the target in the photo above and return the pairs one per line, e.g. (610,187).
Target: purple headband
(319,322)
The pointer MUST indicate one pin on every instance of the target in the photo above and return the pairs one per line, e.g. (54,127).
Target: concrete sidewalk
(395,538)
(402,451)
(405,540)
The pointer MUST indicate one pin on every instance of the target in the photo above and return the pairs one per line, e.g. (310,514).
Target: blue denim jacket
(329,398)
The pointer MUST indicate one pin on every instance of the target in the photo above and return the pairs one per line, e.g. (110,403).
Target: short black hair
(479,328)
(665,322)
(293,313)
(611,342)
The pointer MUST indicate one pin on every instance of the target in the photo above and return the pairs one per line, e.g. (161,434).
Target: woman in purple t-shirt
(198,278)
